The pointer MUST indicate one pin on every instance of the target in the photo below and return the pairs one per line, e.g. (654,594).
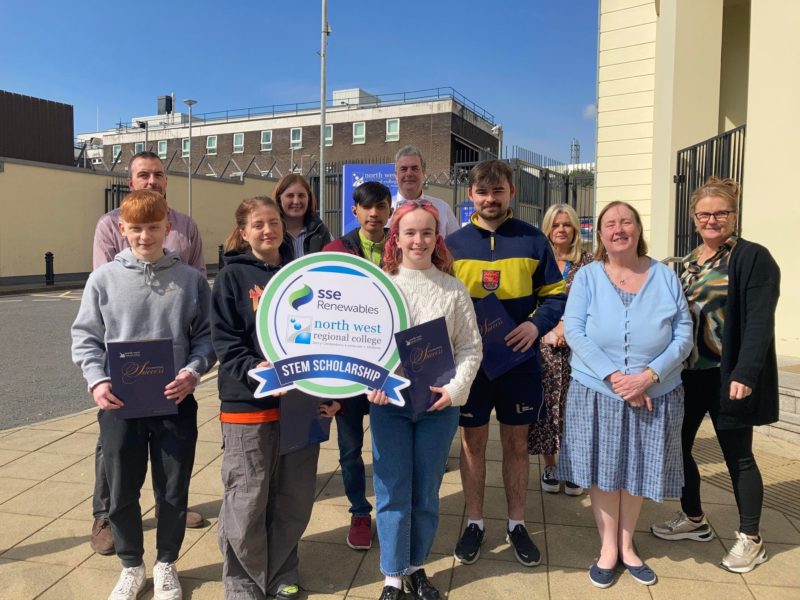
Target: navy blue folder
(300,423)
(140,370)
(427,360)
(494,323)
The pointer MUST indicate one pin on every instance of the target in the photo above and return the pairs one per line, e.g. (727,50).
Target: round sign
(326,322)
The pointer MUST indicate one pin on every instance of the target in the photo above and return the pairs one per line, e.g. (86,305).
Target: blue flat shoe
(643,574)
(601,578)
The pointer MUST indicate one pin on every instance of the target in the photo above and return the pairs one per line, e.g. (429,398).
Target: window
(266,141)
(211,145)
(185,147)
(138,147)
(359,132)
(329,135)
(116,150)
(392,130)
(162,149)
(296,138)
(238,143)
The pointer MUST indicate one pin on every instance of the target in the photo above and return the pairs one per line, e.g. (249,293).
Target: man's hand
(180,387)
(522,336)
(104,398)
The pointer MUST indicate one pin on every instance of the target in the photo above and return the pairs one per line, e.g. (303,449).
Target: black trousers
(170,443)
(702,393)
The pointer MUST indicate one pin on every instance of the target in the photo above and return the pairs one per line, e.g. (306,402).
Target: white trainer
(745,555)
(166,585)
(130,584)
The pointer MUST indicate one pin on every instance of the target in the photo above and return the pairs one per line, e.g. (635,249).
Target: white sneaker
(130,584)
(681,527)
(745,555)
(166,585)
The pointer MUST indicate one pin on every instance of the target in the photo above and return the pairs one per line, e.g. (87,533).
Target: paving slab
(21,580)
(48,499)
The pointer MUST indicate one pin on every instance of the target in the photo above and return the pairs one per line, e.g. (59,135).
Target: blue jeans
(409,456)
(350,428)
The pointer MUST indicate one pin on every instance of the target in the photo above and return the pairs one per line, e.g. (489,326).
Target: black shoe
(468,548)
(392,593)
(420,587)
(524,549)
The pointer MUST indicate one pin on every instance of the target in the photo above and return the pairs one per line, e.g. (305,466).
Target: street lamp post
(190,103)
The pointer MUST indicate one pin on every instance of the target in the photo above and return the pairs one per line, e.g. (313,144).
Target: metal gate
(116,190)
(721,156)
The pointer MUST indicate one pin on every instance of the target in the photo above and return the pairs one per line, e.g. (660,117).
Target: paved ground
(46,478)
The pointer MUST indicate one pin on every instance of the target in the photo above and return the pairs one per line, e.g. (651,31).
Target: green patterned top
(706,289)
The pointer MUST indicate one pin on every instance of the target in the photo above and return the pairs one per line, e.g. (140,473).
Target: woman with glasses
(732,289)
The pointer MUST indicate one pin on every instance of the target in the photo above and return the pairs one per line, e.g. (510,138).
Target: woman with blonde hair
(732,286)
(562,228)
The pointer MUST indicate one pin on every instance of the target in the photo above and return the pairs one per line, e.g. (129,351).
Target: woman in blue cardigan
(629,329)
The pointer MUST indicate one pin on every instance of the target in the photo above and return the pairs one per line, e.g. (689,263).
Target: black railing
(721,156)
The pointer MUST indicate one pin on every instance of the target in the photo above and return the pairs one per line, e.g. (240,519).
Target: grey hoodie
(128,299)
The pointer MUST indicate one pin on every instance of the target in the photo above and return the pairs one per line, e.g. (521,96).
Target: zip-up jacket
(516,263)
(234,301)
(317,235)
(349,243)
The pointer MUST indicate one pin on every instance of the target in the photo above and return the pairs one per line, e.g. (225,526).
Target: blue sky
(532,63)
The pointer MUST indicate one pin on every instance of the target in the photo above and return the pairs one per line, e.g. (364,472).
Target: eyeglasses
(419,203)
(720,216)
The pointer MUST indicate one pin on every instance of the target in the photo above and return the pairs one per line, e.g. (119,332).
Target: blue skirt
(614,446)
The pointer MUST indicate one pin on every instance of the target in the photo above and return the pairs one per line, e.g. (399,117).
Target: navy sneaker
(468,548)
(524,549)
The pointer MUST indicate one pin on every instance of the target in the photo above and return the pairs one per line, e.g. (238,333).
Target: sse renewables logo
(326,322)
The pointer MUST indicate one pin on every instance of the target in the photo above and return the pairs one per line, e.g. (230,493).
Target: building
(274,140)
(35,129)
(680,84)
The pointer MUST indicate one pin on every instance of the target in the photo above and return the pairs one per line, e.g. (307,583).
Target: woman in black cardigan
(732,286)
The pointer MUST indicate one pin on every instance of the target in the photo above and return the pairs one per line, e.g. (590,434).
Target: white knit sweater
(431,294)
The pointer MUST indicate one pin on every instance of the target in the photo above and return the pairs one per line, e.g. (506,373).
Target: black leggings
(702,392)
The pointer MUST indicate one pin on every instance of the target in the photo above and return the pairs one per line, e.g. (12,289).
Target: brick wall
(431,133)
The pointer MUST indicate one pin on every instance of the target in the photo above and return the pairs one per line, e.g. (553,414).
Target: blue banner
(352,177)
(283,374)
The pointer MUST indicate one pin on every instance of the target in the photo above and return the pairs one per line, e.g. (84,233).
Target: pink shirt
(183,238)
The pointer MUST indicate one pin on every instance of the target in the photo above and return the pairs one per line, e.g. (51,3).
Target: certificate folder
(140,370)
(495,324)
(300,423)
(427,360)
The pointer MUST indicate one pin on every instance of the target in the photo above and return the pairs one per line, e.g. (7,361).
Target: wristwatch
(653,375)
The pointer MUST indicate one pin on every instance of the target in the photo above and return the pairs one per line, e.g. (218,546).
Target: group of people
(604,397)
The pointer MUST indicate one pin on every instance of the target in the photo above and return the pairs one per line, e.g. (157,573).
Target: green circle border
(277,281)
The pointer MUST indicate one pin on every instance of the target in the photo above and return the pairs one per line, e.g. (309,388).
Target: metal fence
(721,156)
(332,216)
(116,190)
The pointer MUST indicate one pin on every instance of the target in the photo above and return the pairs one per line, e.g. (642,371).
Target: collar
(474,220)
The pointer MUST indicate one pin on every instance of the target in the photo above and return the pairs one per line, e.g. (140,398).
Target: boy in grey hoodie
(146,293)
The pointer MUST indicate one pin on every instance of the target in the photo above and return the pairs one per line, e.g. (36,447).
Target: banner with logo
(352,177)
(326,322)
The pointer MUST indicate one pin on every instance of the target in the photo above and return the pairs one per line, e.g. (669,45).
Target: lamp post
(190,103)
(323,55)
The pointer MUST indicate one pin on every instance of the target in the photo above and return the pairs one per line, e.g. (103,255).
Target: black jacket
(317,235)
(748,337)
(234,301)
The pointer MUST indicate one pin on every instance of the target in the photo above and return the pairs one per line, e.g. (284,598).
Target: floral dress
(544,436)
